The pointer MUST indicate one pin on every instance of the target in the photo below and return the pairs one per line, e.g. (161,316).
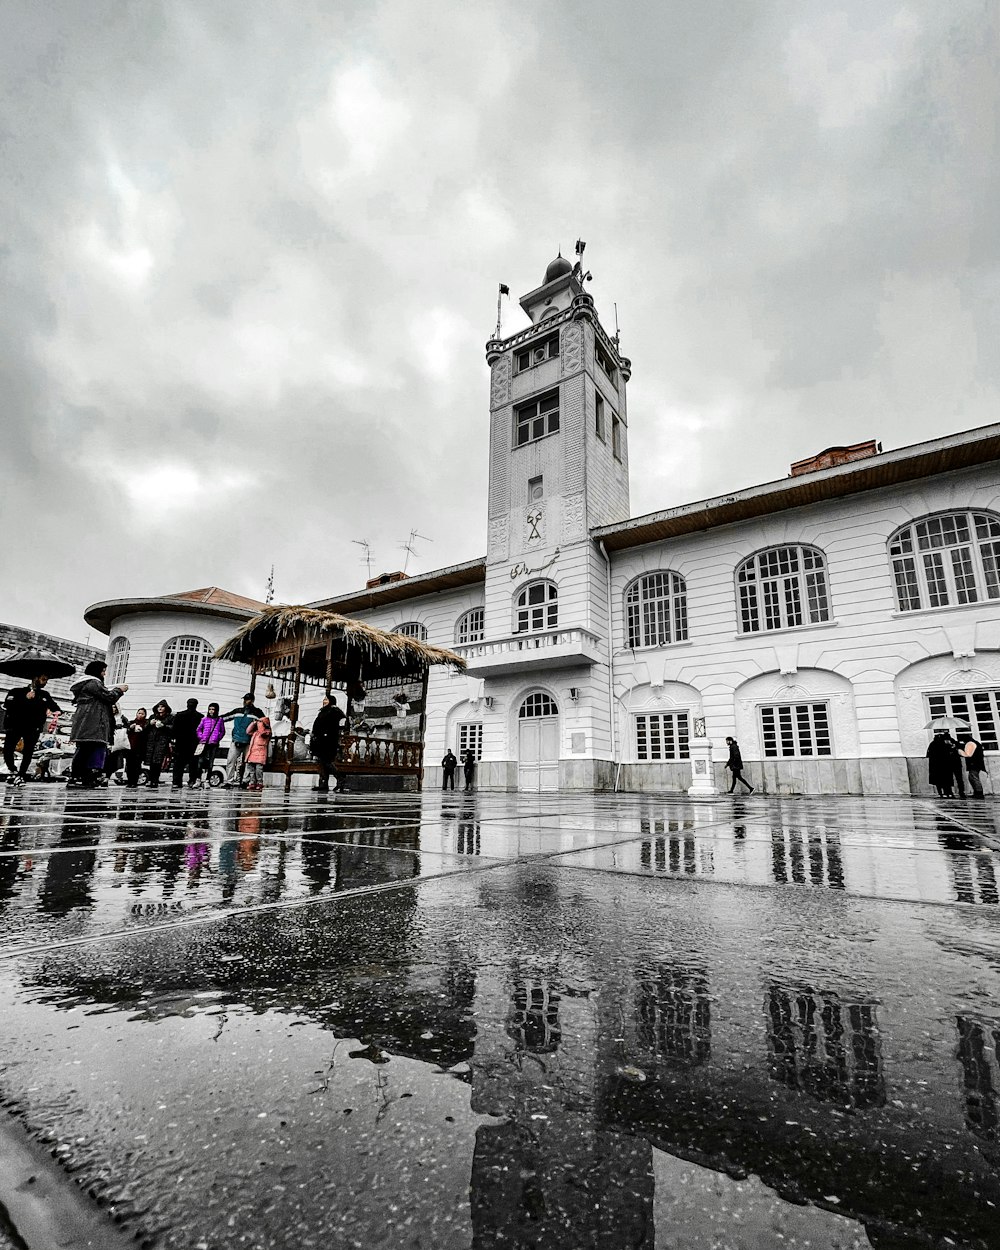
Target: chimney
(833,456)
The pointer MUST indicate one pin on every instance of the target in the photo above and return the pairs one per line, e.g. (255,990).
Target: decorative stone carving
(500,381)
(574,519)
(534,525)
(699,727)
(498,544)
(571,353)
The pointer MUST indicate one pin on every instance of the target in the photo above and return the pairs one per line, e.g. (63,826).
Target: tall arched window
(947,559)
(186,661)
(117,660)
(471,626)
(781,588)
(536,608)
(656,610)
(412,629)
(537,704)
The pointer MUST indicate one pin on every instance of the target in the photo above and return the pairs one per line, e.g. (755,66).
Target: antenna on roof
(269,597)
(408,546)
(367,557)
(617,331)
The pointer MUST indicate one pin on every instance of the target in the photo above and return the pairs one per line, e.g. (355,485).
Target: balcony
(561,648)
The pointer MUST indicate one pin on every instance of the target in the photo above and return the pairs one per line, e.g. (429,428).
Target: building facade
(820,619)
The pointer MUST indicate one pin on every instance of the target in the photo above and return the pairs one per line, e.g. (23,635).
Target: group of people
(949,758)
(449,766)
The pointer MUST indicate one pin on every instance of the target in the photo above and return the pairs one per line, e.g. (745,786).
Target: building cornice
(891,468)
(102,616)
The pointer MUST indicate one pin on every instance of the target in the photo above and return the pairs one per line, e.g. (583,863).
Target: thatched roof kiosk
(326,649)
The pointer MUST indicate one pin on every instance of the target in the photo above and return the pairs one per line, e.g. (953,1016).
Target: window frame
(640,611)
(548,607)
(771,595)
(794,725)
(605,363)
(616,437)
(916,585)
(411,629)
(198,661)
(539,699)
(465,730)
(651,740)
(118,659)
(975,707)
(599,424)
(536,420)
(464,624)
(549,346)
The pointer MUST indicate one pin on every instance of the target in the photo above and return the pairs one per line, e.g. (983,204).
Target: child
(260,737)
(211,727)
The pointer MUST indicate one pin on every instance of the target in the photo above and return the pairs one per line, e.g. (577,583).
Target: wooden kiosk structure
(307,646)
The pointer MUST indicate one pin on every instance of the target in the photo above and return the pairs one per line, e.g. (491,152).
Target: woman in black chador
(324,741)
(735,765)
(941,764)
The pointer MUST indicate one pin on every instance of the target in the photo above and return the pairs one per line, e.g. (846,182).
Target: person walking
(957,766)
(242,718)
(260,739)
(940,763)
(138,738)
(24,720)
(469,767)
(324,742)
(449,764)
(735,766)
(211,727)
(975,762)
(93,723)
(161,728)
(185,741)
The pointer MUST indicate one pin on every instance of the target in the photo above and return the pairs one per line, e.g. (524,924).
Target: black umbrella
(34,662)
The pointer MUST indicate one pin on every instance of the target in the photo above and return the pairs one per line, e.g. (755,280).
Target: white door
(538,753)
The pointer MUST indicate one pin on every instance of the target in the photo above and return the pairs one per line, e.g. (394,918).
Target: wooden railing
(359,753)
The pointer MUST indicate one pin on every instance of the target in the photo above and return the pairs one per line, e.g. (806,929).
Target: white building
(820,619)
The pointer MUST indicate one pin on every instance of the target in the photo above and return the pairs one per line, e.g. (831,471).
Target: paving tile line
(693,879)
(216,915)
(990,841)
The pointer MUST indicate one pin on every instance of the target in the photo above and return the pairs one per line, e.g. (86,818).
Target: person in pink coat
(211,727)
(260,738)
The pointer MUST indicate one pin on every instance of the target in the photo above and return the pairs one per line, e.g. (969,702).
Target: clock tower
(558,467)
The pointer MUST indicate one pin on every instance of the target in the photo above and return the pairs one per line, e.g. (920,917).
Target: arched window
(537,608)
(471,626)
(186,662)
(412,629)
(656,610)
(947,559)
(781,588)
(117,660)
(537,704)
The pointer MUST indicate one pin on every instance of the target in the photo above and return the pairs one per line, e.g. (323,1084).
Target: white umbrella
(946,722)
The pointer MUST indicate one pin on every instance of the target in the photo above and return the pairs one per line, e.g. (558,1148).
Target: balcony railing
(558,648)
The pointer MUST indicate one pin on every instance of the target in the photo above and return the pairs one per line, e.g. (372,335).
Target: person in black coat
(449,764)
(469,767)
(735,765)
(941,763)
(24,719)
(324,741)
(184,737)
(161,726)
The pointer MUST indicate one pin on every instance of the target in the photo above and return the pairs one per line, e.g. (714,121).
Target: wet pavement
(504,1020)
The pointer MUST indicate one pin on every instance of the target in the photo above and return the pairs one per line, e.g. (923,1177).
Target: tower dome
(558,268)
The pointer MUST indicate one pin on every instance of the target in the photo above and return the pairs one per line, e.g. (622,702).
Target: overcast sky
(249,256)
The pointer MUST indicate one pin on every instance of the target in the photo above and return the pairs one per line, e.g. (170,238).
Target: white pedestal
(702,778)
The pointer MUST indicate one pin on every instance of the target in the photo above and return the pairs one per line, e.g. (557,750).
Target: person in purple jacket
(211,727)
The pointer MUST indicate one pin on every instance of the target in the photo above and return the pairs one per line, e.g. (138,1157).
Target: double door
(538,753)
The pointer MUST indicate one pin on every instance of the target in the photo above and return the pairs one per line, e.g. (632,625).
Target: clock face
(537,490)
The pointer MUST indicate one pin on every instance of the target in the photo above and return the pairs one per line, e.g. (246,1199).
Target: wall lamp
(574,694)
(488,700)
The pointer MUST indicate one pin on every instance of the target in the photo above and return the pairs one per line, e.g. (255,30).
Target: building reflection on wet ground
(485,1020)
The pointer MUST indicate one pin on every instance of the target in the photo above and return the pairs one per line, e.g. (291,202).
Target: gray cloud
(252,253)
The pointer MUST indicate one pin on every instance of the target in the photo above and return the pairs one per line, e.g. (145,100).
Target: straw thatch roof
(371,651)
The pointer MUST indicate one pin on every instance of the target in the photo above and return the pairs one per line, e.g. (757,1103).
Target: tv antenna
(617,331)
(269,597)
(409,548)
(367,557)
